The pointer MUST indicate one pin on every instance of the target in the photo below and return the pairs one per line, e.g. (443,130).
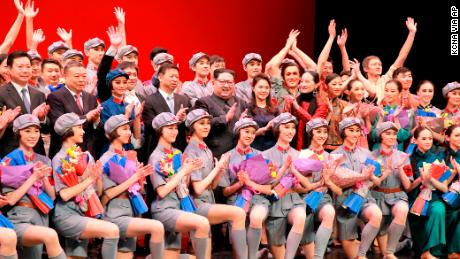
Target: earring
(315,91)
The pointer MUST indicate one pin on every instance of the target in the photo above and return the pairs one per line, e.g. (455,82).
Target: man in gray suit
(19,93)
(225,110)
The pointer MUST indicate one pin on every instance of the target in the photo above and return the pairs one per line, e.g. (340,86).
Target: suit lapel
(68,97)
(163,106)
(17,99)
(34,99)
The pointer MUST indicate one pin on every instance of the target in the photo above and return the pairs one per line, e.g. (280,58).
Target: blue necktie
(170,101)
(25,99)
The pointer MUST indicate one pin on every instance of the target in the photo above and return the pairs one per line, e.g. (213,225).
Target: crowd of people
(290,158)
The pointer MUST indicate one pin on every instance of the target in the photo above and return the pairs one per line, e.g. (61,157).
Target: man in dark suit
(225,110)
(19,93)
(165,100)
(72,98)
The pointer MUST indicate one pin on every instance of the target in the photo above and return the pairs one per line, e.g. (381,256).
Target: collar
(164,94)
(448,111)
(91,66)
(384,153)
(249,82)
(425,108)
(72,92)
(201,82)
(117,100)
(317,151)
(452,152)
(120,152)
(281,149)
(55,88)
(29,158)
(19,88)
(350,150)
(243,151)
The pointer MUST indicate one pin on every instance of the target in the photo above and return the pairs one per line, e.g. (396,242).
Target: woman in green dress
(428,232)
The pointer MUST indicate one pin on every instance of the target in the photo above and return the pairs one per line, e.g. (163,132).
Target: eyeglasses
(225,82)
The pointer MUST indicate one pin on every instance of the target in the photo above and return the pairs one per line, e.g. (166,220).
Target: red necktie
(79,105)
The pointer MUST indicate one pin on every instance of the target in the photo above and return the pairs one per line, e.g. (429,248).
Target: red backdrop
(227,28)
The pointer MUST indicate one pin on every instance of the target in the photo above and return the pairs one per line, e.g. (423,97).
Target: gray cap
(196,115)
(251,56)
(196,57)
(384,126)
(449,87)
(315,123)
(283,118)
(126,50)
(114,122)
(71,53)
(66,121)
(25,121)
(244,123)
(57,45)
(34,55)
(288,61)
(164,119)
(347,122)
(92,43)
(161,58)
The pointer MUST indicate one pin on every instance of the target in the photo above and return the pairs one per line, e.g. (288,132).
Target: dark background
(380,30)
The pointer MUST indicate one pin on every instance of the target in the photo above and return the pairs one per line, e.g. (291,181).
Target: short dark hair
(113,135)
(313,74)
(345,73)
(127,64)
(67,134)
(3,56)
(166,66)
(219,71)
(330,77)
(424,82)
(398,84)
(15,55)
(51,61)
(157,50)
(400,70)
(215,58)
(72,64)
(284,66)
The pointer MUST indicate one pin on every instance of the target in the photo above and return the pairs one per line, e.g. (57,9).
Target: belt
(123,196)
(330,147)
(26,204)
(387,190)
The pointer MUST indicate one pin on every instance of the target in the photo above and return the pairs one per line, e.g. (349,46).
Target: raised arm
(120,15)
(356,71)
(14,30)
(272,68)
(30,14)
(341,41)
(301,57)
(405,49)
(66,36)
(327,47)
(37,38)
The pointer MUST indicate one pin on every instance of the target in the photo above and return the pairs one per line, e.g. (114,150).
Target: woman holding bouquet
(390,192)
(317,184)
(168,181)
(354,159)
(30,223)
(428,232)
(452,159)
(290,208)
(120,184)
(236,182)
(425,110)
(206,178)
(69,216)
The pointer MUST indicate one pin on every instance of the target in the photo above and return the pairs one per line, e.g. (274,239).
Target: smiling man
(225,110)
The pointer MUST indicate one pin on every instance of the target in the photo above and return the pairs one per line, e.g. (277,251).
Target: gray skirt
(312,218)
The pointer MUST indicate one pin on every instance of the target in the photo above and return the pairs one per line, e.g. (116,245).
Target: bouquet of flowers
(306,166)
(259,170)
(168,167)
(357,198)
(452,197)
(437,170)
(15,171)
(73,166)
(403,117)
(121,168)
